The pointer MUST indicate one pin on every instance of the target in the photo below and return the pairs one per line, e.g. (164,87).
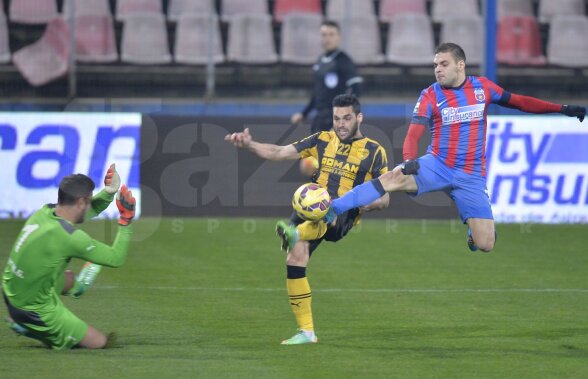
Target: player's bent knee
(487,244)
(93,339)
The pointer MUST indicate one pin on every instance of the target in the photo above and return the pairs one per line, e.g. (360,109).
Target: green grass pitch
(206,298)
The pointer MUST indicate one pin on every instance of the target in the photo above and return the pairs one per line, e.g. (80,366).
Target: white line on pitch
(362,290)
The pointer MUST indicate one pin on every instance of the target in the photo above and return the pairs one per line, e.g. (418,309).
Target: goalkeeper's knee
(308,230)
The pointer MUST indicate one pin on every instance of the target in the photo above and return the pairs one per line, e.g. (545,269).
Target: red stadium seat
(363,39)
(454,8)
(300,42)
(176,8)
(33,11)
(336,9)
(193,39)
(551,8)
(46,59)
(390,8)
(144,39)
(467,33)
(514,8)
(232,8)
(4,46)
(568,41)
(251,39)
(98,7)
(518,41)
(125,8)
(285,7)
(410,40)
(95,41)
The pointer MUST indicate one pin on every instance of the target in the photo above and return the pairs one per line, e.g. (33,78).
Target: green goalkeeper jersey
(45,246)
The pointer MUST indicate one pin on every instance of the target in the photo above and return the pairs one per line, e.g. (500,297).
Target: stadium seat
(390,8)
(32,11)
(467,33)
(285,7)
(514,8)
(232,8)
(97,7)
(251,39)
(300,42)
(4,45)
(410,40)
(518,41)
(192,39)
(46,59)
(176,8)
(454,8)
(125,8)
(568,41)
(551,8)
(144,39)
(336,9)
(95,41)
(362,42)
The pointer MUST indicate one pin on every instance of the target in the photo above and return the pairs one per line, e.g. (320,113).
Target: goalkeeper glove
(574,111)
(111,180)
(410,167)
(125,202)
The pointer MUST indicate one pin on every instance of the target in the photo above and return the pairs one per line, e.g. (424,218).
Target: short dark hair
(74,187)
(332,24)
(347,100)
(456,51)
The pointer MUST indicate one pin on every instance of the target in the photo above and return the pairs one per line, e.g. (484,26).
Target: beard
(352,133)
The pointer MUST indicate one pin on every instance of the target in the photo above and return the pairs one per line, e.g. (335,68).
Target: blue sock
(359,196)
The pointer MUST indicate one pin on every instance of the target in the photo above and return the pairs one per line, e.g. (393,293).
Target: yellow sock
(300,302)
(308,231)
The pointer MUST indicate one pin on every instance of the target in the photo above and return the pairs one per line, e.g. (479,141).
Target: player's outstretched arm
(97,252)
(533,105)
(243,140)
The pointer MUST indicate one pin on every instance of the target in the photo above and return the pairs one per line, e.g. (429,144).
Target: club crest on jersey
(480,95)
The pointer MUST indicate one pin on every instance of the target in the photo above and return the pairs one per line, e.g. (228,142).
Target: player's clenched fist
(125,202)
(111,180)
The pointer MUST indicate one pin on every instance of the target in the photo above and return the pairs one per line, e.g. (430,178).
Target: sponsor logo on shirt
(450,115)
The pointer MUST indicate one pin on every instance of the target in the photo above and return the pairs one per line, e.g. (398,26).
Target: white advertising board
(38,149)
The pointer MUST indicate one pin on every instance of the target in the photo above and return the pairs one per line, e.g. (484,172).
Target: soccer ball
(311,202)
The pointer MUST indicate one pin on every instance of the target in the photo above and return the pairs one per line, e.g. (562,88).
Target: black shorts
(345,222)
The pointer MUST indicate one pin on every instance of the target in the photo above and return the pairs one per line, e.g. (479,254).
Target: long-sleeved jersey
(45,246)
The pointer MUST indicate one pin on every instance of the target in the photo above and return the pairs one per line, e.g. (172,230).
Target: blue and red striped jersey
(456,118)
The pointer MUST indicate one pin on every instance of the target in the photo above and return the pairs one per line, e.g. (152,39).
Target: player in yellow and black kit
(346,159)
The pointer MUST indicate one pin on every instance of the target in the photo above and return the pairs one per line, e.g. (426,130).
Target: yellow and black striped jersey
(343,166)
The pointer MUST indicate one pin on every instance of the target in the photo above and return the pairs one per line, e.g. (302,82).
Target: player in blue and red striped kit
(454,110)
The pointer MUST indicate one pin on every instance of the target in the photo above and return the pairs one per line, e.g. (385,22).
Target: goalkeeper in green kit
(36,272)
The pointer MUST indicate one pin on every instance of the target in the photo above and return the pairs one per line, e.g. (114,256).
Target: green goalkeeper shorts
(54,325)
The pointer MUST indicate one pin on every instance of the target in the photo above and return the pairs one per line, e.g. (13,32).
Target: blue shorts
(468,191)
